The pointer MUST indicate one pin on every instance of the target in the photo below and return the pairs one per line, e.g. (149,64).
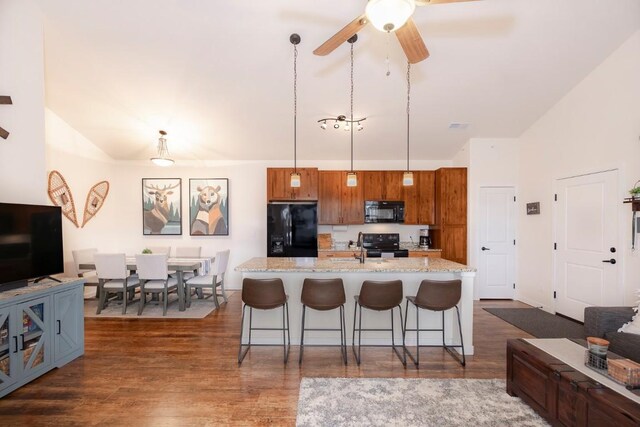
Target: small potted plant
(146,251)
(635,192)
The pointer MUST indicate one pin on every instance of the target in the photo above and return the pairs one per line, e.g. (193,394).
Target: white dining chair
(213,280)
(113,277)
(154,278)
(85,256)
(188,251)
(156,250)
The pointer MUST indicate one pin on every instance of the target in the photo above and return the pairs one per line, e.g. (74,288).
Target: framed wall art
(209,207)
(161,206)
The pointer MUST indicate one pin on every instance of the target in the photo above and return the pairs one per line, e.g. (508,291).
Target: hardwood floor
(185,372)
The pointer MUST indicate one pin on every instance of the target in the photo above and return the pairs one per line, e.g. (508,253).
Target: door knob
(485,249)
(611,261)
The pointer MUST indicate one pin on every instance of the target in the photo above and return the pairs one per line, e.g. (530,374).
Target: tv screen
(30,241)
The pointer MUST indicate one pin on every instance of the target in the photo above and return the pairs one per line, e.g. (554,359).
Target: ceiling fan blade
(341,36)
(428,2)
(3,133)
(412,42)
(5,100)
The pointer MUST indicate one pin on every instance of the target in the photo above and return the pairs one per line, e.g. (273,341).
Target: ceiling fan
(388,16)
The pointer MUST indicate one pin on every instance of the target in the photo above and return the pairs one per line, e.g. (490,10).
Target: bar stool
(378,296)
(264,294)
(436,296)
(323,295)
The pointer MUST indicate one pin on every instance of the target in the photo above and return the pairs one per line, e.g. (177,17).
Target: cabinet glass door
(33,335)
(7,366)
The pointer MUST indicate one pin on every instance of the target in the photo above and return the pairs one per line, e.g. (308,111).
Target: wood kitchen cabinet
(279,185)
(337,203)
(425,182)
(450,230)
(382,185)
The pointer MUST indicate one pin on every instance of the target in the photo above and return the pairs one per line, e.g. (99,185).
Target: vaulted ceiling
(218,75)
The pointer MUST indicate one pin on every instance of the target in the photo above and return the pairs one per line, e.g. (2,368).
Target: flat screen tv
(30,242)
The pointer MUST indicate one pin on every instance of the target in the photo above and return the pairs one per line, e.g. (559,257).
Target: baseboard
(535,304)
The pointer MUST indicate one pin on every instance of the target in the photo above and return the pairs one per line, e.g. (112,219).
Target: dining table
(179,265)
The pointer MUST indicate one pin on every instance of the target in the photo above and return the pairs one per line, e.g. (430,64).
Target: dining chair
(187,252)
(85,256)
(155,250)
(213,280)
(154,279)
(113,278)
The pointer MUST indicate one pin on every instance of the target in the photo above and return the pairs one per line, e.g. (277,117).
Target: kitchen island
(411,271)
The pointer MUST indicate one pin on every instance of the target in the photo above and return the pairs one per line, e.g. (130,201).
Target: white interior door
(587,260)
(496,267)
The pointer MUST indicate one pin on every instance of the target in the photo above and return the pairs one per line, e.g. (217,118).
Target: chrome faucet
(360,243)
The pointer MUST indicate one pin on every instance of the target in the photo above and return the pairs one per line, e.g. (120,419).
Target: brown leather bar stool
(436,296)
(323,295)
(378,296)
(264,294)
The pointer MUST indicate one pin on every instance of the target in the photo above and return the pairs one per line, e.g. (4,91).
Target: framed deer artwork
(161,206)
(209,207)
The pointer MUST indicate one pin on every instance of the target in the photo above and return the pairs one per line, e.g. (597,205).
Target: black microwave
(375,212)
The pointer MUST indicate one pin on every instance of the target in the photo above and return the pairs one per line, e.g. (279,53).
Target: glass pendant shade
(407,178)
(295,180)
(352,179)
(389,15)
(163,152)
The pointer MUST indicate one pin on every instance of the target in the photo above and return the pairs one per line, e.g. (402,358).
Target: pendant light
(352,177)
(163,152)
(295,176)
(407,176)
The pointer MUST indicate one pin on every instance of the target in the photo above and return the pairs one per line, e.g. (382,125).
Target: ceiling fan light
(295,180)
(389,15)
(352,179)
(407,178)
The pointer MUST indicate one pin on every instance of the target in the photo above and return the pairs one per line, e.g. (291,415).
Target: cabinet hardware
(59,327)
(15,342)
(22,342)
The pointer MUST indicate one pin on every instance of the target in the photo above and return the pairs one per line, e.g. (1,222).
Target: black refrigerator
(292,229)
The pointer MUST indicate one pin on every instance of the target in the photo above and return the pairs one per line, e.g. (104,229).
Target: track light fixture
(342,121)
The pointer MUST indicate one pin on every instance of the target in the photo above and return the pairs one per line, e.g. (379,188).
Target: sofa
(604,322)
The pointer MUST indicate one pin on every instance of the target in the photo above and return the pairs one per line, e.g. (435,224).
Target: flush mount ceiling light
(407,176)
(389,15)
(343,122)
(163,152)
(295,176)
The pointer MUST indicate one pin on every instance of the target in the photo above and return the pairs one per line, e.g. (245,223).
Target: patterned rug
(410,402)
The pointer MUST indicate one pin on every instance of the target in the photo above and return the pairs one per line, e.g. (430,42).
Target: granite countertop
(403,245)
(352,265)
(36,287)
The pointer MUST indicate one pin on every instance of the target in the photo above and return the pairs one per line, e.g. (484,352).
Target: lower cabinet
(38,333)
(425,254)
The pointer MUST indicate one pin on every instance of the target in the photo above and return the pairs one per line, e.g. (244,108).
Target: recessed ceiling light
(458,126)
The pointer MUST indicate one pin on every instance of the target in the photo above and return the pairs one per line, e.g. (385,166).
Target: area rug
(539,323)
(410,402)
(200,308)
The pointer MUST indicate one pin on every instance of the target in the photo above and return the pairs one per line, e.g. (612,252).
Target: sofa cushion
(624,344)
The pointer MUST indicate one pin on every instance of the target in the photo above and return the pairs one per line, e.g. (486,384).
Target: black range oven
(383,245)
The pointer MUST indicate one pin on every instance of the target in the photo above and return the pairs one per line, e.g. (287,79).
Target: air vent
(458,126)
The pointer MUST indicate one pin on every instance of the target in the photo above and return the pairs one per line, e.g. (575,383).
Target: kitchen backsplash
(344,233)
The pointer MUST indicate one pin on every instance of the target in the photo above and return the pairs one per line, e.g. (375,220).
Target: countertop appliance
(381,211)
(292,229)
(383,245)
(425,239)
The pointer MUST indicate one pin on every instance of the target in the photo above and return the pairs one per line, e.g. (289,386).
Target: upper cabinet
(279,185)
(425,183)
(382,185)
(337,203)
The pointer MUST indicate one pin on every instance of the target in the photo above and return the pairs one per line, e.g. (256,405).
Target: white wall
(22,155)
(593,128)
